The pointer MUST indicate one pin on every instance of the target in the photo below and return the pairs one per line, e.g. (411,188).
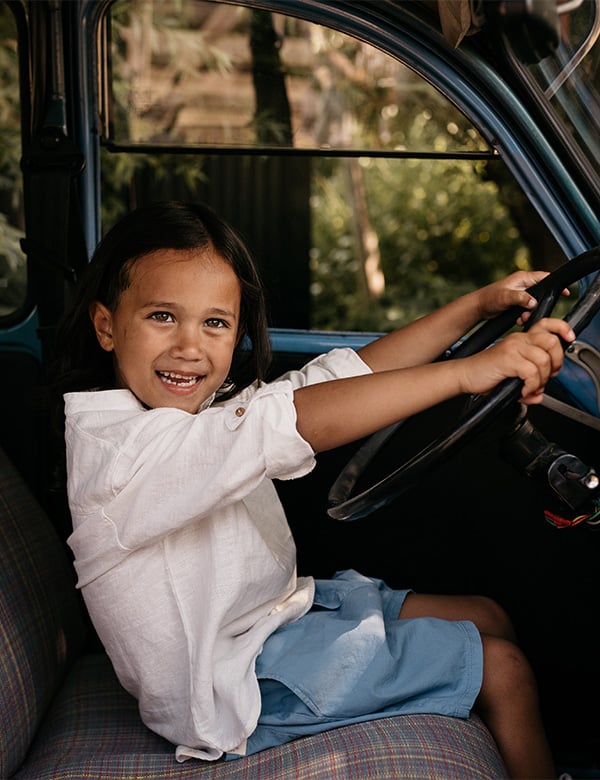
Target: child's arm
(425,339)
(333,413)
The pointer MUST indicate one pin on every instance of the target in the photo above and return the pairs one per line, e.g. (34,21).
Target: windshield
(570,77)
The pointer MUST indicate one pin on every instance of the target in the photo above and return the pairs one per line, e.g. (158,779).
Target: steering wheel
(483,408)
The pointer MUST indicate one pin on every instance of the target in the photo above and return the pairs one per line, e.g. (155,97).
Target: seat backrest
(41,625)
(21,427)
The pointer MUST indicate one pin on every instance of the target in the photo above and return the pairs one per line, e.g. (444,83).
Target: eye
(161,316)
(215,322)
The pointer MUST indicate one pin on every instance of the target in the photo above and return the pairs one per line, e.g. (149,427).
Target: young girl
(181,546)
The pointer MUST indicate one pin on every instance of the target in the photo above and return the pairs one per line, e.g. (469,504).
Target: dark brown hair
(81,364)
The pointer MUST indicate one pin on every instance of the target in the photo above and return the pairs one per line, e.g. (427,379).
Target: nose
(187,343)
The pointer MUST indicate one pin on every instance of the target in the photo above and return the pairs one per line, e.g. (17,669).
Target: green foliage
(12,260)
(441,225)
(12,268)
(442,232)
(127,177)
(10,138)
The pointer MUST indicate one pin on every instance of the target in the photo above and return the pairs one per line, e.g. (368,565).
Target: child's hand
(534,357)
(510,291)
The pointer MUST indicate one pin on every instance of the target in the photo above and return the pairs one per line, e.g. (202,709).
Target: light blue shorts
(350,659)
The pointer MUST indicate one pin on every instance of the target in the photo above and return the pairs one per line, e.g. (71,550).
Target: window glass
(361,241)
(214,74)
(12,260)
(570,76)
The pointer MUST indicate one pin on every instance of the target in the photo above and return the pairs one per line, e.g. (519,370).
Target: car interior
(380,159)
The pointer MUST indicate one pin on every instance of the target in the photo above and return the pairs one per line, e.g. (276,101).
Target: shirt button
(240,411)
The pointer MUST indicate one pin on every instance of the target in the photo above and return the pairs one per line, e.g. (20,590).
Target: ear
(102,320)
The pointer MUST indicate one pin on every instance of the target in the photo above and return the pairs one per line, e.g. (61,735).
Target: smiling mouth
(178,380)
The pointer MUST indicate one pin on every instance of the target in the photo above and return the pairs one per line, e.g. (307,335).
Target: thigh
(486,614)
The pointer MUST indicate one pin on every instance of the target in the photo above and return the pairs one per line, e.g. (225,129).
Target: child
(182,550)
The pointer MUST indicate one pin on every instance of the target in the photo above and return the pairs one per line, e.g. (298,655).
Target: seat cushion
(93,730)
(41,627)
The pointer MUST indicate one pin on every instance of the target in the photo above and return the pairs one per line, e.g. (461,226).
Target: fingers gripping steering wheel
(483,408)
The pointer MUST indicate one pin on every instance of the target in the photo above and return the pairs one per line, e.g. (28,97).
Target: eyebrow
(223,312)
(158,304)
(213,310)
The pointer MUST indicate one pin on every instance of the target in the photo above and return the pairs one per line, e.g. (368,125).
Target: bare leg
(508,701)
(488,616)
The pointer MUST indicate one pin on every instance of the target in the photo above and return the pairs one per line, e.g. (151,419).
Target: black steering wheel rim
(343,506)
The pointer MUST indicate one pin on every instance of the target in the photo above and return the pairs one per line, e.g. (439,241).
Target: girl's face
(174,329)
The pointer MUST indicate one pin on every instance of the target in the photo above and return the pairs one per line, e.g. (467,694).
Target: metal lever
(573,481)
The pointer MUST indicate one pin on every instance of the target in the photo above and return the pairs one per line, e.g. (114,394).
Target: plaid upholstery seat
(41,629)
(64,716)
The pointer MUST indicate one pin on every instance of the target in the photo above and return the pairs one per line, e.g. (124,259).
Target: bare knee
(507,676)
(508,703)
(491,619)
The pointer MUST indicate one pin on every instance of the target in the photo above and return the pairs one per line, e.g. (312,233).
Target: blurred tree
(391,238)
(12,260)
(442,230)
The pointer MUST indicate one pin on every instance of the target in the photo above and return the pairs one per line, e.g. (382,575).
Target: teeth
(170,377)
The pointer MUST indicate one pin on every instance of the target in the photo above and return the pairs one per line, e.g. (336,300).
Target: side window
(367,198)
(213,75)
(12,260)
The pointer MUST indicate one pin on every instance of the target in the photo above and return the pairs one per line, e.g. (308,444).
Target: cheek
(130,360)
(120,379)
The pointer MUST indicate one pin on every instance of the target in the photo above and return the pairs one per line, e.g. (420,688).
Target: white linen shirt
(182,550)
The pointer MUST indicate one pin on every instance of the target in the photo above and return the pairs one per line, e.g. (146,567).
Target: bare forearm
(334,413)
(423,340)
(426,338)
